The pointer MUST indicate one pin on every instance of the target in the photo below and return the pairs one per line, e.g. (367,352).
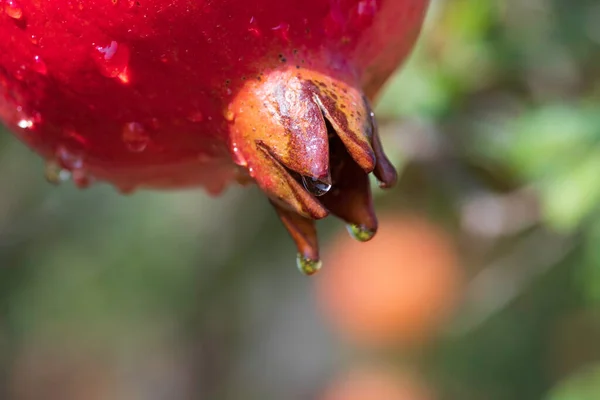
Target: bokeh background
(483,284)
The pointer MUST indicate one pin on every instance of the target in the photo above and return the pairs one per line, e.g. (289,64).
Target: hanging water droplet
(13,9)
(39,65)
(308,266)
(315,186)
(68,159)
(82,179)
(55,173)
(113,60)
(135,137)
(360,232)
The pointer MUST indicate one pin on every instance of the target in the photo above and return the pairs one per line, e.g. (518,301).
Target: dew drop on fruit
(367,7)
(238,157)
(229,115)
(135,137)
(283,29)
(13,9)
(365,12)
(19,74)
(308,266)
(81,178)
(360,233)
(113,60)
(39,65)
(68,159)
(315,186)
(55,173)
(25,123)
(253,28)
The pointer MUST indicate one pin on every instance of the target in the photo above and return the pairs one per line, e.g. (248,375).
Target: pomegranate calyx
(310,141)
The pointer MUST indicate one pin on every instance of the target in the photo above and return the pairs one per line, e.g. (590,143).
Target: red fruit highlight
(177,93)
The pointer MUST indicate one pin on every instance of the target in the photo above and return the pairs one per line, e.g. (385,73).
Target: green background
(181,296)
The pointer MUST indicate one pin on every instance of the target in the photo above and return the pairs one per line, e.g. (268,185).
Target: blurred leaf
(589,273)
(419,90)
(547,140)
(584,385)
(557,149)
(572,195)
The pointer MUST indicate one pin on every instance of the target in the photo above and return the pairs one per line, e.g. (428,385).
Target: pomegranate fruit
(181,93)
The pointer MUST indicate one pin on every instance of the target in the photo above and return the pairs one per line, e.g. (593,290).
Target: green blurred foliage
(495,123)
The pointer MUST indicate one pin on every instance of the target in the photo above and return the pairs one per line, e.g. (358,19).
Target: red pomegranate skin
(176,93)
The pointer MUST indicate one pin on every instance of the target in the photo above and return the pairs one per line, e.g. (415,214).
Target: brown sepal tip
(310,142)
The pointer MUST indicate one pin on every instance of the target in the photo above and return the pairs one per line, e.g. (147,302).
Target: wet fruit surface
(173,93)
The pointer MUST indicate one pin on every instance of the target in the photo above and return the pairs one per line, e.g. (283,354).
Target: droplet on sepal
(360,233)
(307,266)
(315,186)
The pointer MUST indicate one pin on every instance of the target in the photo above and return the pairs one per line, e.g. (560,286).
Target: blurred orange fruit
(399,288)
(372,383)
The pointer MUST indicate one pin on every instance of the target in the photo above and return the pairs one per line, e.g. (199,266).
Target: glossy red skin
(185,62)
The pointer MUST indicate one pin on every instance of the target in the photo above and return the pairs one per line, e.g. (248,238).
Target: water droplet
(315,186)
(39,65)
(25,123)
(360,233)
(113,60)
(20,73)
(364,14)
(135,137)
(367,7)
(81,178)
(13,9)
(124,76)
(68,159)
(55,173)
(229,115)
(284,30)
(253,28)
(308,266)
(238,157)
